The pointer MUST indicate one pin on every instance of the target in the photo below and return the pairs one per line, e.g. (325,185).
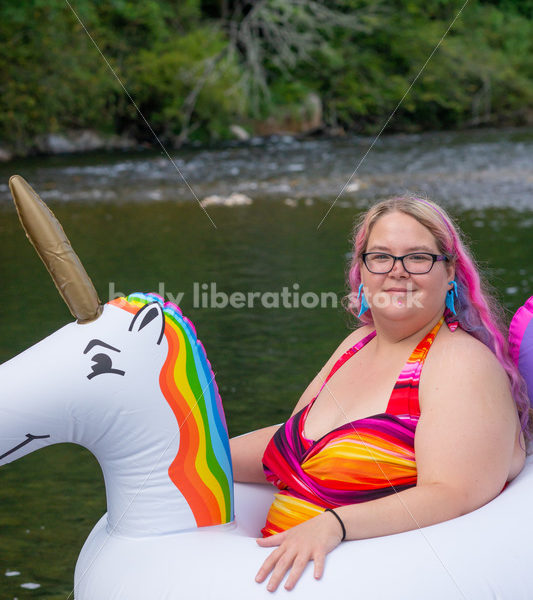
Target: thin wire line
(142,485)
(392,114)
(139,111)
(372,455)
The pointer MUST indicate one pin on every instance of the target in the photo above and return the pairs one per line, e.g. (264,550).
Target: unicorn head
(134,386)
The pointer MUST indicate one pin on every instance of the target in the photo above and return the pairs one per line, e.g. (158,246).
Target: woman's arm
(247,452)
(464,445)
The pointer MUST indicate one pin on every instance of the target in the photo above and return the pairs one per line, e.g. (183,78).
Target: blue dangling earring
(450,297)
(364,303)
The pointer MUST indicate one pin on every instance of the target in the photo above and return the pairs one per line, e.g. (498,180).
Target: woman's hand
(310,540)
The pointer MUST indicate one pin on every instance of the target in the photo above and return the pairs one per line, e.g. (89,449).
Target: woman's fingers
(311,540)
(273,540)
(284,563)
(270,562)
(268,565)
(320,561)
(280,561)
(298,566)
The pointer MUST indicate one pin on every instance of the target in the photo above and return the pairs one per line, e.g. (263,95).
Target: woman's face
(399,294)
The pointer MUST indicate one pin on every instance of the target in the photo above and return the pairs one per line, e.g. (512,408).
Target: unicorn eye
(103,364)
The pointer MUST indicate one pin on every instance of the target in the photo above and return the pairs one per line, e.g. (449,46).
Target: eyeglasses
(415,263)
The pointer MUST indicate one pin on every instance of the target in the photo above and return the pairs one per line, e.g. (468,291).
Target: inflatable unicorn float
(131,382)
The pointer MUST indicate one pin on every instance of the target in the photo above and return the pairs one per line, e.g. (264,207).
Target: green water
(263,357)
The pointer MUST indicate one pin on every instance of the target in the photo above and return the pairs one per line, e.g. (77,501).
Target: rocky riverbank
(304,119)
(69,142)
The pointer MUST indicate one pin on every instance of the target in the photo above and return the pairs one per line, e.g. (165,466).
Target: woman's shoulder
(354,337)
(458,360)
(348,342)
(463,346)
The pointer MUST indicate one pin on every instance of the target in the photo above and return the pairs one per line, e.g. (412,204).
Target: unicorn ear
(150,319)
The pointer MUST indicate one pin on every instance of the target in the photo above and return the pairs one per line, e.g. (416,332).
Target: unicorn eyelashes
(103,362)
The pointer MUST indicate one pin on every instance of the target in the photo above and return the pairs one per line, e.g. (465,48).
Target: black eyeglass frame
(435,257)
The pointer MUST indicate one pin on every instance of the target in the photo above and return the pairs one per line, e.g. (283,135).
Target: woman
(460,409)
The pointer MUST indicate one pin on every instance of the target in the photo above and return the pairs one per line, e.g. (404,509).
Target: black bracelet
(340,521)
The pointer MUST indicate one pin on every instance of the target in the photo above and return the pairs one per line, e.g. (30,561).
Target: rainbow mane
(202,468)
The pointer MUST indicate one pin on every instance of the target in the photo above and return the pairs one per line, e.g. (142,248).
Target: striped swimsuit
(363,460)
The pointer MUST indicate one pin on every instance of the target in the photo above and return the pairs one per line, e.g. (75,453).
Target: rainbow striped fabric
(359,461)
(202,469)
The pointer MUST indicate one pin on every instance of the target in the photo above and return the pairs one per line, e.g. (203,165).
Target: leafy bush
(190,85)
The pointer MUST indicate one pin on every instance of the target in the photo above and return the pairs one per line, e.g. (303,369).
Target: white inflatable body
(148,545)
(480,556)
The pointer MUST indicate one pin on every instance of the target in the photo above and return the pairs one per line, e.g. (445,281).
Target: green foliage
(53,78)
(191,84)
(50,75)
(480,73)
(195,67)
(522,7)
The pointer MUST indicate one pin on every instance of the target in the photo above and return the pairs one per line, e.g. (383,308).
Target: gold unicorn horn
(49,240)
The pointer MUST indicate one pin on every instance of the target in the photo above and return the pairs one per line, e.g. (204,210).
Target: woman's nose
(398,268)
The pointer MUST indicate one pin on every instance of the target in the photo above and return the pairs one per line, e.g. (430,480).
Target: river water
(476,169)
(137,226)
